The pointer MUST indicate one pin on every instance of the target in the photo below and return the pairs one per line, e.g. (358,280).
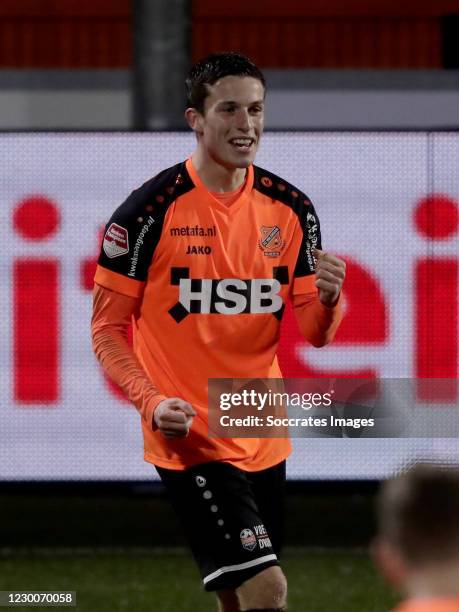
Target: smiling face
(230,128)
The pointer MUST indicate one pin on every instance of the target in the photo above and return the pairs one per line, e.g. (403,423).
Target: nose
(243,120)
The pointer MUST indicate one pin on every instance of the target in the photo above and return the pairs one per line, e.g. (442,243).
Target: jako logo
(198,250)
(228,296)
(200,481)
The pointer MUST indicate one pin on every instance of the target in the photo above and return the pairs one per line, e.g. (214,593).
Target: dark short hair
(418,513)
(214,67)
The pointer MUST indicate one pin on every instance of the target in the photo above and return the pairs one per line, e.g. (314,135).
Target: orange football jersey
(214,280)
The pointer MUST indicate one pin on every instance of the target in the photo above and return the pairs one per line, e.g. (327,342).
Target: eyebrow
(237,103)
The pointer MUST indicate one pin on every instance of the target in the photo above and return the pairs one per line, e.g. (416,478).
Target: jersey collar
(213,201)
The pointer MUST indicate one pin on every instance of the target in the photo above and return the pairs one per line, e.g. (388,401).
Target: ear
(389,562)
(194,120)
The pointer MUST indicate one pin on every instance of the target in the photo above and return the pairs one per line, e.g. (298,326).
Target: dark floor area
(335,514)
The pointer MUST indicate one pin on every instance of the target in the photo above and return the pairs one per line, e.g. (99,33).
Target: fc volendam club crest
(271,242)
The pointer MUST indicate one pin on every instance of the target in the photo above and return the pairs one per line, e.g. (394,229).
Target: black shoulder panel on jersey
(134,229)
(278,189)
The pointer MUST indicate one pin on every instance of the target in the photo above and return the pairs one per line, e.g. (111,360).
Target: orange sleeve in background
(112,313)
(317,323)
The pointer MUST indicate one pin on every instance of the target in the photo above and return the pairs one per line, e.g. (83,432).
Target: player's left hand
(330,274)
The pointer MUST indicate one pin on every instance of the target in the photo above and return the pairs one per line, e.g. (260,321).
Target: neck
(433,582)
(215,176)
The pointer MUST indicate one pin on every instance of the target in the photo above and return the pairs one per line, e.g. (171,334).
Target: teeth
(241,142)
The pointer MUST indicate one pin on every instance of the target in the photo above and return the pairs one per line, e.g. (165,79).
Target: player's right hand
(174,417)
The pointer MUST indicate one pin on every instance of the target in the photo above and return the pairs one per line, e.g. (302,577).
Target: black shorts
(232,519)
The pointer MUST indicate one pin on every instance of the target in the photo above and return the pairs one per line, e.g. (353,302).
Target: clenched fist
(330,273)
(174,417)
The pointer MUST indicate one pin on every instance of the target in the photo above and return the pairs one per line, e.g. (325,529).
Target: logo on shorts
(248,539)
(271,242)
(116,241)
(262,535)
(200,481)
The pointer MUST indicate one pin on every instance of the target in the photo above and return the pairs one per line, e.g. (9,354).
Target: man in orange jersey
(202,258)
(417,548)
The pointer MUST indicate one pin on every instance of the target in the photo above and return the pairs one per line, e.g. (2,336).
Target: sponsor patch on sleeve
(116,241)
